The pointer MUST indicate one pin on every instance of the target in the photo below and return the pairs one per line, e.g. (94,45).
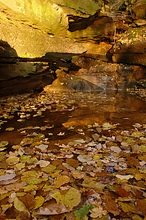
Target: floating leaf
(10,129)
(3,143)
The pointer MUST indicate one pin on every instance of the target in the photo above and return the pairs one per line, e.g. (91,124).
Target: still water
(64,115)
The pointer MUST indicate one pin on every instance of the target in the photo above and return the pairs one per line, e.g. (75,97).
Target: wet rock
(102,28)
(97,51)
(139,9)
(95,75)
(131,47)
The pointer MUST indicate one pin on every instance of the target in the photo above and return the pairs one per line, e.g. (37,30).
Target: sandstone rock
(101,28)
(97,51)
(131,47)
(139,9)
(96,76)
(53,14)
(29,40)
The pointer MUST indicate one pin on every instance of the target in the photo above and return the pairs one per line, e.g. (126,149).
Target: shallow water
(66,113)
(86,144)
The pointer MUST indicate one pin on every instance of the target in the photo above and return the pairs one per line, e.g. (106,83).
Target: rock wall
(111,33)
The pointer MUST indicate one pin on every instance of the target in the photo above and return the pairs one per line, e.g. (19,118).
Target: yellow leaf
(49,169)
(19,205)
(12,160)
(98,212)
(39,201)
(31,177)
(30,187)
(127,207)
(61,180)
(70,199)
(19,166)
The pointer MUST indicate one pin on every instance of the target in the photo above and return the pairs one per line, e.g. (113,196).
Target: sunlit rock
(139,9)
(96,76)
(28,39)
(130,48)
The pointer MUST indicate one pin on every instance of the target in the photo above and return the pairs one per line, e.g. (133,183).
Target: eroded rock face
(131,47)
(54,14)
(110,35)
(96,76)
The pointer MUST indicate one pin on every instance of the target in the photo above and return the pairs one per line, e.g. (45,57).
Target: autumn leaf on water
(84,210)
(70,199)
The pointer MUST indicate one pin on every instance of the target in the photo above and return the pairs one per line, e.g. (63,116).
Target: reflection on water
(60,116)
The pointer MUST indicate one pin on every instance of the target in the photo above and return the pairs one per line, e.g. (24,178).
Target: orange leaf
(122,192)
(61,180)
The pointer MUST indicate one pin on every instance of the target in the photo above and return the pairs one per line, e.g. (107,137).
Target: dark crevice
(78,23)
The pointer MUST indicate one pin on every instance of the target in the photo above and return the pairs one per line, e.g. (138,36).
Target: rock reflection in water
(65,113)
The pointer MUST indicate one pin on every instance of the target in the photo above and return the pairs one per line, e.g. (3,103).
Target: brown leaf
(72,162)
(141,206)
(52,208)
(122,192)
(29,201)
(132,161)
(110,204)
(61,180)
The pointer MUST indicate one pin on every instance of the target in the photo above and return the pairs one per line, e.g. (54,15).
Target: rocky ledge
(91,46)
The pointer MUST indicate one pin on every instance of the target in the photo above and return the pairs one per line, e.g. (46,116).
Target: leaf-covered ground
(70,156)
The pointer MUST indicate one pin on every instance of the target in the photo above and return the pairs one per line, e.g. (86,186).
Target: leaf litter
(68,169)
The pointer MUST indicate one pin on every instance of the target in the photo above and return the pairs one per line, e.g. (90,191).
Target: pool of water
(60,116)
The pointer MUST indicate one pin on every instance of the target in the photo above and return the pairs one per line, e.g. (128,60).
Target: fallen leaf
(19,205)
(84,210)
(98,212)
(124,177)
(39,200)
(53,209)
(61,180)
(70,199)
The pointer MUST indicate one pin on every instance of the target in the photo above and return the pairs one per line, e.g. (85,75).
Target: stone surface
(29,40)
(139,9)
(110,35)
(131,47)
(101,28)
(53,14)
(96,76)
